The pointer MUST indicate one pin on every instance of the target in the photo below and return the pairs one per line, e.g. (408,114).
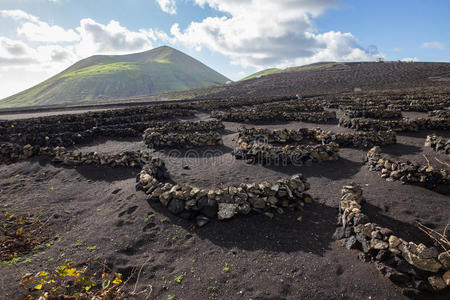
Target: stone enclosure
(370,123)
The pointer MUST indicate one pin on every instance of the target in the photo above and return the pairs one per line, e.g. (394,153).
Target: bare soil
(251,257)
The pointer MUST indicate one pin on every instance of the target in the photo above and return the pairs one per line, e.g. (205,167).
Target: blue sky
(39,38)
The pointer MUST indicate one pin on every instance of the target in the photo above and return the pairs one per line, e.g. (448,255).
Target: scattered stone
(437,283)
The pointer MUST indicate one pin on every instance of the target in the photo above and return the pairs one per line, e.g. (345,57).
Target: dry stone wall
(246,116)
(443,113)
(408,172)
(373,113)
(438,143)
(415,267)
(184,134)
(285,136)
(224,202)
(395,125)
(11,153)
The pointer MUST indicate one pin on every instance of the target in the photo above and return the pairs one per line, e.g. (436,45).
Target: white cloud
(111,38)
(435,45)
(262,33)
(46,50)
(410,59)
(168,6)
(36,30)
(13,52)
(18,15)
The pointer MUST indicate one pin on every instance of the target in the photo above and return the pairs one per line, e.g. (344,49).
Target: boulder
(227,210)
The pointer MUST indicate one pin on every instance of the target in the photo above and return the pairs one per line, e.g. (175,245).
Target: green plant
(226,268)
(69,280)
(179,278)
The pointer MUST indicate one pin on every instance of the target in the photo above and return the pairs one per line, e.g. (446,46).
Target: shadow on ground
(283,233)
(93,173)
(334,170)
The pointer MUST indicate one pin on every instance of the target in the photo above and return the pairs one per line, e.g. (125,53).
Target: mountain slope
(103,77)
(315,66)
(332,78)
(262,73)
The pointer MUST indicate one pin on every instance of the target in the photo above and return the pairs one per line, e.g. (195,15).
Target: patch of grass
(226,268)
(262,73)
(178,279)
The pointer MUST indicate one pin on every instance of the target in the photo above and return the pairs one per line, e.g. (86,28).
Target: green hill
(103,77)
(263,73)
(315,66)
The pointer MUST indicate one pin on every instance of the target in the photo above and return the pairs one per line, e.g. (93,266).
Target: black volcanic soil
(251,257)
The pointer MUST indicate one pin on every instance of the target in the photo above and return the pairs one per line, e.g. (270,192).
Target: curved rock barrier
(358,139)
(408,172)
(298,155)
(291,106)
(11,153)
(131,159)
(188,126)
(373,113)
(414,267)
(225,202)
(85,121)
(438,143)
(443,113)
(257,145)
(395,125)
(347,139)
(182,140)
(184,134)
(417,102)
(246,116)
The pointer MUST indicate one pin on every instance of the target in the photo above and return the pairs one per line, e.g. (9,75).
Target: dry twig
(440,238)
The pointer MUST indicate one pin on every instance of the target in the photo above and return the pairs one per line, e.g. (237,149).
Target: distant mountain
(103,77)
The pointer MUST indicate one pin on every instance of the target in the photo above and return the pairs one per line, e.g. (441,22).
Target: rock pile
(224,202)
(408,172)
(252,115)
(184,134)
(438,144)
(416,268)
(395,125)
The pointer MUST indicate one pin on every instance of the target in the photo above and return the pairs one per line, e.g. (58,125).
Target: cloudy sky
(39,38)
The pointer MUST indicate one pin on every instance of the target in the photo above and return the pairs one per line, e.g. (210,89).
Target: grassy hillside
(315,66)
(103,77)
(263,73)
